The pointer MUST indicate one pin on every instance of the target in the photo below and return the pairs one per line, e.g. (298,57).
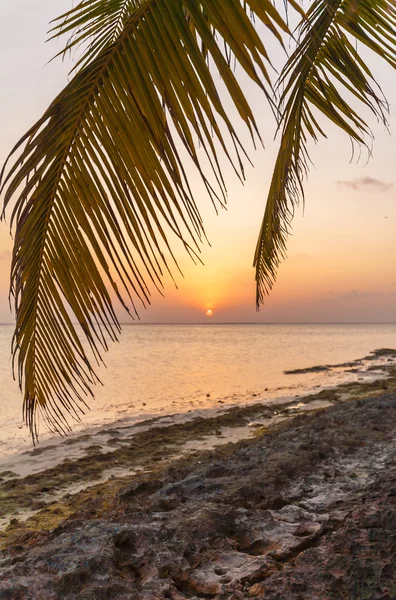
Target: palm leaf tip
(98,182)
(323,77)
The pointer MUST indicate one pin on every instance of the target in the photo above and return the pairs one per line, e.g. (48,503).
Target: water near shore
(166,369)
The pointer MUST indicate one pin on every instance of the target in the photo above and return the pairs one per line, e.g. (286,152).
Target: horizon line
(211,322)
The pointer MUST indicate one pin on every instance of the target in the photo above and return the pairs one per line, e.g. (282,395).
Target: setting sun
(209,313)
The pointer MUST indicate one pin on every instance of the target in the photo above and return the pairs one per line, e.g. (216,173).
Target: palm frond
(92,24)
(99,184)
(323,76)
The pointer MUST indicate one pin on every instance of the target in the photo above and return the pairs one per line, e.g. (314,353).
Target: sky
(341,255)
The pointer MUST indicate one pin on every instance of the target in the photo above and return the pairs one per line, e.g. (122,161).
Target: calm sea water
(165,369)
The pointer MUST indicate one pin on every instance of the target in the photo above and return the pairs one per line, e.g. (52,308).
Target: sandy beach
(285,500)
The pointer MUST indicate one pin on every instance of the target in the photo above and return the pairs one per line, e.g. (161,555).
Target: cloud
(368,184)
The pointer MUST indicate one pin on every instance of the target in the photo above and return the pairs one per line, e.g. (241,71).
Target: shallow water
(164,369)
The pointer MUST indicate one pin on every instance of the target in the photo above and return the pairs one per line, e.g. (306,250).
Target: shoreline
(373,367)
(265,384)
(69,465)
(75,494)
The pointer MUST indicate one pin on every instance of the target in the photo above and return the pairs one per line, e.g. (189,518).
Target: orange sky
(341,264)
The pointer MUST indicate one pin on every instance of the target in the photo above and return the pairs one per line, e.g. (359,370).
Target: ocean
(167,369)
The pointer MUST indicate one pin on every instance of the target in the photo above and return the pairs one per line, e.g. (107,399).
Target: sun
(209,312)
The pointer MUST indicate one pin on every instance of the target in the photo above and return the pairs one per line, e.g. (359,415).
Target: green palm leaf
(323,76)
(99,182)
(94,25)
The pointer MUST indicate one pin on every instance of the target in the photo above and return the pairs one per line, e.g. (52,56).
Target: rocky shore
(304,509)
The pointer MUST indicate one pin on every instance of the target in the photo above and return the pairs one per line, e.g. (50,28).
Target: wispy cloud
(370,184)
